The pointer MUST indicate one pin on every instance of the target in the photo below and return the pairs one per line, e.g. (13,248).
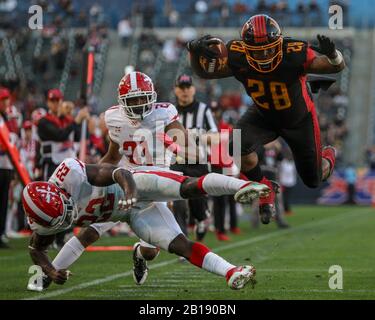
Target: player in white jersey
(137,130)
(142,133)
(98,196)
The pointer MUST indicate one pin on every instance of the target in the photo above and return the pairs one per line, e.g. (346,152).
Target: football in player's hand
(217,63)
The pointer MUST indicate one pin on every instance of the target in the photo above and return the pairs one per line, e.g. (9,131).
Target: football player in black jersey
(273,70)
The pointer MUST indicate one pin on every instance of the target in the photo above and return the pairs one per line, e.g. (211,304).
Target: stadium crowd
(167,13)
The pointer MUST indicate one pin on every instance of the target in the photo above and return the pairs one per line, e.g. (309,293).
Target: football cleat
(45,284)
(329,153)
(235,230)
(238,277)
(251,191)
(267,204)
(222,236)
(140,269)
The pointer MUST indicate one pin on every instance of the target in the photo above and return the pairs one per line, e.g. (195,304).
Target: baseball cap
(54,94)
(184,80)
(4,93)
(27,125)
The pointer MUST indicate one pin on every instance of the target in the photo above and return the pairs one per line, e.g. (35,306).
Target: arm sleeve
(310,57)
(49,131)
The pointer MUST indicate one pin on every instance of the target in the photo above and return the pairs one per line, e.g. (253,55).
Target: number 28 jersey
(282,95)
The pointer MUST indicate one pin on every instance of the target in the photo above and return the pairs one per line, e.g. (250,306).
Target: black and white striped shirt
(197,116)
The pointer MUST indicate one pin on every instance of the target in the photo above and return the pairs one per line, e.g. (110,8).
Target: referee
(197,117)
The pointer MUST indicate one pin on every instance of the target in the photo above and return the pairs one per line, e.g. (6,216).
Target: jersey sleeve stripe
(176,117)
(310,56)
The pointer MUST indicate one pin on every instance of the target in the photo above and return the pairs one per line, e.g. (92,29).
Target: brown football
(213,65)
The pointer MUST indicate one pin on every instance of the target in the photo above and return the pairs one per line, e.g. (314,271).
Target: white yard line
(96,282)
(174,260)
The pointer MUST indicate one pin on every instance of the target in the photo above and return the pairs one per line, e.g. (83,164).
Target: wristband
(338,60)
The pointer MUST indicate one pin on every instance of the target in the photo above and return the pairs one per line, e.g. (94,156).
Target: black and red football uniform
(283,106)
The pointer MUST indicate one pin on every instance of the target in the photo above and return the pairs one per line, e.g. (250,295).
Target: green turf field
(291,264)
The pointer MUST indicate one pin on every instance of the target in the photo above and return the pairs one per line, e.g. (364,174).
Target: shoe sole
(243,278)
(142,280)
(246,195)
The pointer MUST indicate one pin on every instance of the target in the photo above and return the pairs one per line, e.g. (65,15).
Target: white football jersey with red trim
(142,142)
(100,204)
(94,204)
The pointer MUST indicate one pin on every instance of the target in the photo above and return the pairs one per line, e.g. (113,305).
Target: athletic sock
(70,252)
(203,258)
(216,184)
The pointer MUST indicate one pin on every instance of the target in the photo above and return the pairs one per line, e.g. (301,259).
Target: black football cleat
(267,204)
(45,284)
(140,269)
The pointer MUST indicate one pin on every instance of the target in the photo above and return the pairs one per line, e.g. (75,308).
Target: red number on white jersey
(62,172)
(102,206)
(136,151)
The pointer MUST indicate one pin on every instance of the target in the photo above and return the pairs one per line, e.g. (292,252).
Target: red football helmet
(48,205)
(262,40)
(136,95)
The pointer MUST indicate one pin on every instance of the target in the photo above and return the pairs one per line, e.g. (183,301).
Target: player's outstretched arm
(104,174)
(201,47)
(38,252)
(331,61)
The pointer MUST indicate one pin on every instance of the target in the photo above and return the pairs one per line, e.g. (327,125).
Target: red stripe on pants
(166,174)
(311,108)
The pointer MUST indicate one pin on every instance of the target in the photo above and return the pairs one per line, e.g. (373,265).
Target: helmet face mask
(69,215)
(136,95)
(262,41)
(138,105)
(265,58)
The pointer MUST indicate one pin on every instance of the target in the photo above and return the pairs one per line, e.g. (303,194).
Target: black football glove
(201,46)
(326,46)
